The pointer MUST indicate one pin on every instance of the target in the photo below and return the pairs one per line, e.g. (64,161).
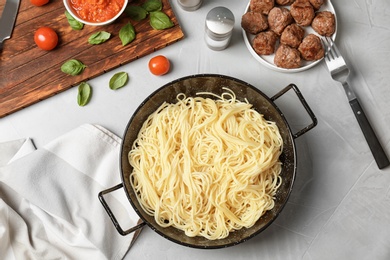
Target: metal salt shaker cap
(190,5)
(219,23)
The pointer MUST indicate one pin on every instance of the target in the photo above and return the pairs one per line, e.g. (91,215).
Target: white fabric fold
(49,206)
(13,150)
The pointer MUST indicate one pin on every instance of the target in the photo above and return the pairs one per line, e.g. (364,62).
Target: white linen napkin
(49,206)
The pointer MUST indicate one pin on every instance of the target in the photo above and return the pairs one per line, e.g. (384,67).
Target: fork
(339,71)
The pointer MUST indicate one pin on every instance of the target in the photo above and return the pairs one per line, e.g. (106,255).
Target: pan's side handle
(304,104)
(111,214)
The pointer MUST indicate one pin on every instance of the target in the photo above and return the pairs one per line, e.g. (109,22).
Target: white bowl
(75,15)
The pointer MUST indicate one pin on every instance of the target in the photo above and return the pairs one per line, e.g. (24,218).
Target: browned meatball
(254,23)
(278,19)
(287,57)
(302,12)
(311,48)
(264,43)
(292,35)
(316,3)
(284,2)
(261,6)
(324,23)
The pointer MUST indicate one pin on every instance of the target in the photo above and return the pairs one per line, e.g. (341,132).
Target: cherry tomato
(159,65)
(39,2)
(46,38)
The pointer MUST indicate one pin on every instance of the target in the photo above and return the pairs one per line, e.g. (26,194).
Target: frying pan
(190,86)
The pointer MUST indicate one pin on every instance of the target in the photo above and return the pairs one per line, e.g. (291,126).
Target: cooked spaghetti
(206,166)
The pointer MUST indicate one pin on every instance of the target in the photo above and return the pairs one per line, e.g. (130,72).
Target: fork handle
(372,140)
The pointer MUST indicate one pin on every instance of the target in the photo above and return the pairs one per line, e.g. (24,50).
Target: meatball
(254,23)
(284,2)
(316,3)
(311,48)
(287,57)
(302,12)
(264,43)
(292,35)
(324,23)
(278,19)
(261,6)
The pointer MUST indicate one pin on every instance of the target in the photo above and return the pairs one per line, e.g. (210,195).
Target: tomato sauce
(97,10)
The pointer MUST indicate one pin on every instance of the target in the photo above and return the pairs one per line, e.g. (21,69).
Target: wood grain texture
(29,74)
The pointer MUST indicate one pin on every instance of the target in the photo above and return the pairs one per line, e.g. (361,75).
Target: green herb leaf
(74,24)
(152,5)
(84,94)
(136,13)
(119,80)
(99,37)
(160,21)
(73,67)
(127,34)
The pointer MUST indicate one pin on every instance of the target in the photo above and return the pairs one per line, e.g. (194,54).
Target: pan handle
(304,104)
(111,215)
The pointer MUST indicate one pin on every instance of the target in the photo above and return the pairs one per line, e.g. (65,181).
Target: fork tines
(331,50)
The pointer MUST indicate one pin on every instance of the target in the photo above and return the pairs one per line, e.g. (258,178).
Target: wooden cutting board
(29,74)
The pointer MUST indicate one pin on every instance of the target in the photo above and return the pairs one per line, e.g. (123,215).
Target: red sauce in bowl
(96,10)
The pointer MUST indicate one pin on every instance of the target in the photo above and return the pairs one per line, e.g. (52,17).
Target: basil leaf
(74,24)
(136,13)
(73,67)
(99,37)
(127,34)
(119,80)
(160,21)
(84,94)
(152,5)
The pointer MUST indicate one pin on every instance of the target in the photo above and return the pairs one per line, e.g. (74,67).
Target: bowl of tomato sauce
(96,12)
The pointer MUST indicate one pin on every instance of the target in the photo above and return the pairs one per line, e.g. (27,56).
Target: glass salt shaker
(190,5)
(219,28)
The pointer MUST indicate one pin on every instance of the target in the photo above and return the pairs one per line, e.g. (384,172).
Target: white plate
(268,60)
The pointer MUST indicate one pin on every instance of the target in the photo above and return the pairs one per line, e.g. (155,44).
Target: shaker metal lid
(219,22)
